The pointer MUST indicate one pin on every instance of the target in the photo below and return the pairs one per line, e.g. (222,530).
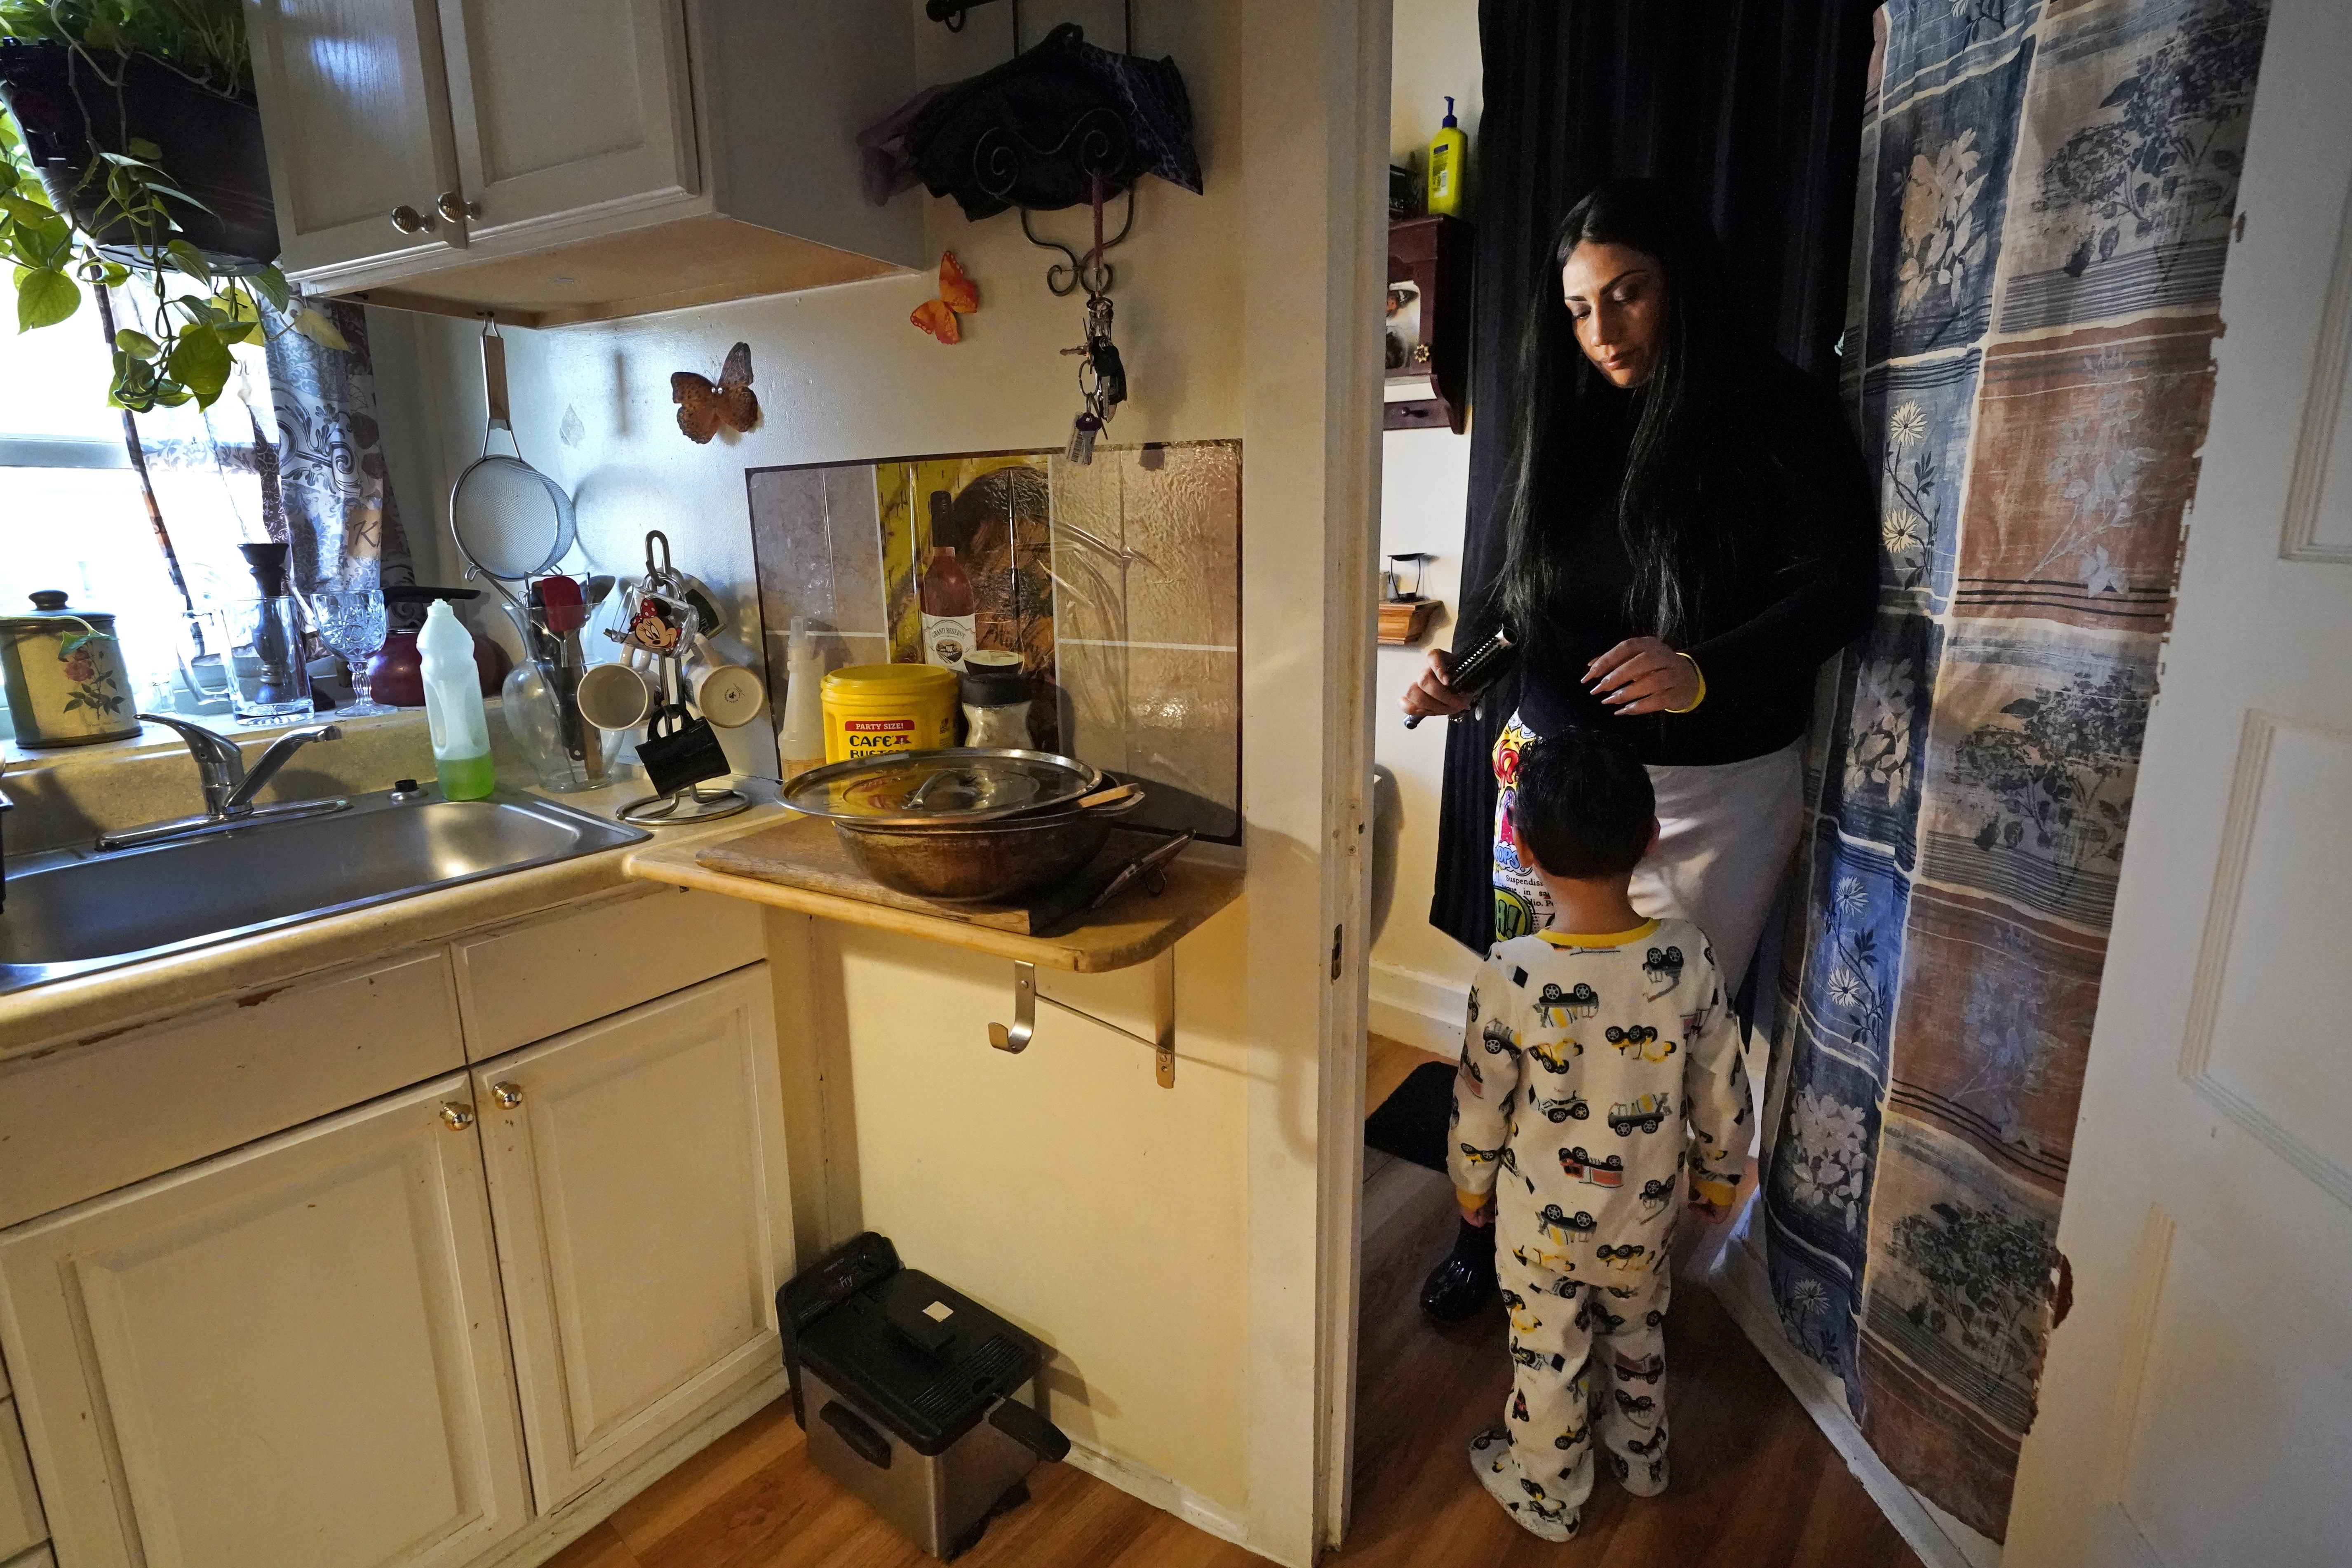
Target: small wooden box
(1403,620)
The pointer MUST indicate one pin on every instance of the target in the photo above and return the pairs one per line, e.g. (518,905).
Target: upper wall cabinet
(355,109)
(555,160)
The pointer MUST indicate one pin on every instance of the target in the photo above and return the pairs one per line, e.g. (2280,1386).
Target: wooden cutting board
(805,852)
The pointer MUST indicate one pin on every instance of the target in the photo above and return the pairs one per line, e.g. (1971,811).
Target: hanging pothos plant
(120,224)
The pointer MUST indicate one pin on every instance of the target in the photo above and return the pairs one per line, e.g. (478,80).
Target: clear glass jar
(269,678)
(995,692)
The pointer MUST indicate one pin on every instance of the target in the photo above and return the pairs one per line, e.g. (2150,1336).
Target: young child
(1590,1047)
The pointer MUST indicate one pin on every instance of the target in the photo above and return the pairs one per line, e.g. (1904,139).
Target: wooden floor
(1756,1485)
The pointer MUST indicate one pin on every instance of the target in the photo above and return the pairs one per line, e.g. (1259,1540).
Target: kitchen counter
(46,1019)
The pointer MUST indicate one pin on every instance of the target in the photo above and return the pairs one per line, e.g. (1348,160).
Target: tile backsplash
(1119,583)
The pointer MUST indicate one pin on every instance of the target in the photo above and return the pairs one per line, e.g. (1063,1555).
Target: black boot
(1464,1281)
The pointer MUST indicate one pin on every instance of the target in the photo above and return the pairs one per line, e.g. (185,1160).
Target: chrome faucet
(228,786)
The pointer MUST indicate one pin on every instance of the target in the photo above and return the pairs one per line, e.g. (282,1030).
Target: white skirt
(1724,835)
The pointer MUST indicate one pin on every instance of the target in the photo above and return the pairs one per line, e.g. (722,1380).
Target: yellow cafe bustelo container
(875,710)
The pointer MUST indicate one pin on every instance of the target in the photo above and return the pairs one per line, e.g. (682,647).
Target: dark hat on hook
(1038,130)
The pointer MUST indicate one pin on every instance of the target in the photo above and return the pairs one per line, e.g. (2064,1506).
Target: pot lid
(935,788)
(50,613)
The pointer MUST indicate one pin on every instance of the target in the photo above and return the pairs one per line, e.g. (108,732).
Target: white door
(2196,1407)
(356,112)
(569,108)
(292,1356)
(638,1176)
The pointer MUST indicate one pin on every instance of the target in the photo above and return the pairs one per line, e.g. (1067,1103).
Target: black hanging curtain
(1753,107)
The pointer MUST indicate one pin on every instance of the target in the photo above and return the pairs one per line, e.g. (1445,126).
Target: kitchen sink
(70,911)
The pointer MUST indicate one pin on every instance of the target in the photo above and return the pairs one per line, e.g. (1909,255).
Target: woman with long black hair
(1689,533)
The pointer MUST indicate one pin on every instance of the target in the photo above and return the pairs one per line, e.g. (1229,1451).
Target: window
(72,515)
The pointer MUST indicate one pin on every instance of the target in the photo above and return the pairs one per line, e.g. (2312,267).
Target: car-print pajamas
(1598,1074)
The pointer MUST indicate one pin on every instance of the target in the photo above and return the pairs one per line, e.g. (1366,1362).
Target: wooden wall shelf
(1403,620)
(1133,929)
(1432,254)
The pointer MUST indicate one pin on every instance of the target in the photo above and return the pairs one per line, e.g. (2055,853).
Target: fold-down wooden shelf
(1133,929)
(1137,927)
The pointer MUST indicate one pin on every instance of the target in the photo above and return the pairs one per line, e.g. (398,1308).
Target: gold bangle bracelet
(1702,685)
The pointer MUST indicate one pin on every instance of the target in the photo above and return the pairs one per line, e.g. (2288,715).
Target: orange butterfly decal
(959,296)
(703,409)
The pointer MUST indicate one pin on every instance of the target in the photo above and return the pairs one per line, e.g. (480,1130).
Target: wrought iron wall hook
(950,12)
(1065,277)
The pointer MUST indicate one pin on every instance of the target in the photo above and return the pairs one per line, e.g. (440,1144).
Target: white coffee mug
(615,696)
(728,694)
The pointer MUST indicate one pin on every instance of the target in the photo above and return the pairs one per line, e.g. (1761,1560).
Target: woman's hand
(1643,675)
(1431,694)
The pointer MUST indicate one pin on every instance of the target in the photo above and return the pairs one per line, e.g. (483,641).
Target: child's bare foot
(1498,1470)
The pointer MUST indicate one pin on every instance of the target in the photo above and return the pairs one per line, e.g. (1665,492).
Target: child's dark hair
(1584,806)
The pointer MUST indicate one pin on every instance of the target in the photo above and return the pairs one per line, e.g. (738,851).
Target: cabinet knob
(457,1114)
(508,1095)
(455,208)
(408,220)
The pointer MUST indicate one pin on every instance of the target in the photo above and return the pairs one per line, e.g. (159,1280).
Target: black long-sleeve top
(1801,583)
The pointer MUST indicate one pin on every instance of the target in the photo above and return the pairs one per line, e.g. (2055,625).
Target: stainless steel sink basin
(70,911)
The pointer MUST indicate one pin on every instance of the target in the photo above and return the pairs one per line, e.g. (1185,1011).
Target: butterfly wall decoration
(959,296)
(704,409)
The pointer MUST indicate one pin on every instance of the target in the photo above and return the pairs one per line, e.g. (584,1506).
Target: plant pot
(212,146)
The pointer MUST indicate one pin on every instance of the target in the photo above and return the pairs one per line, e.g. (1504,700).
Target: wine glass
(350,621)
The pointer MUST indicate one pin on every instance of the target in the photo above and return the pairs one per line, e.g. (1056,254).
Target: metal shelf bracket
(1014,1038)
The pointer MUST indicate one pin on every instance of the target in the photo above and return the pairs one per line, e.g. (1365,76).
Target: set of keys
(1102,380)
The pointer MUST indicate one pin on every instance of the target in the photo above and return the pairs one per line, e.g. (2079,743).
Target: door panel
(565,104)
(2195,1408)
(644,1226)
(355,108)
(2215,1372)
(289,1357)
(2271,1054)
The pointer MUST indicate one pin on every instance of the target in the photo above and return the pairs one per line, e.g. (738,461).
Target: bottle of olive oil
(1448,151)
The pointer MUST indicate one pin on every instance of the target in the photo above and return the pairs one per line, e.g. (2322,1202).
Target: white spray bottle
(800,739)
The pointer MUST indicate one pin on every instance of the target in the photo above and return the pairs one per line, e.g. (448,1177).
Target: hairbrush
(1476,670)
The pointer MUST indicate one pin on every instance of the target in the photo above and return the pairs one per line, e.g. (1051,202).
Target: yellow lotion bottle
(1448,151)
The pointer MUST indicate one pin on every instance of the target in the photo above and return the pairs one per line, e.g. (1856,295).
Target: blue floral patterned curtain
(332,494)
(2045,210)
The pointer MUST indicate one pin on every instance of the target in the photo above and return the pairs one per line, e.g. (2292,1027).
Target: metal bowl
(990,862)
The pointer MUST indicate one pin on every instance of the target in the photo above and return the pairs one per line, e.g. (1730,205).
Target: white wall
(1175,1248)
(1420,977)
(1436,53)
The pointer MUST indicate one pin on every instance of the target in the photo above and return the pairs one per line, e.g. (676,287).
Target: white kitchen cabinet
(291,1354)
(564,106)
(79,1123)
(22,1527)
(637,1178)
(356,112)
(578,159)
(521,983)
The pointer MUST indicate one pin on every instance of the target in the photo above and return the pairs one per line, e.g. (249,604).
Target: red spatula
(566,611)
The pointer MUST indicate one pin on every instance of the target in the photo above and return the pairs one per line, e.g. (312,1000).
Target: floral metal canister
(65,676)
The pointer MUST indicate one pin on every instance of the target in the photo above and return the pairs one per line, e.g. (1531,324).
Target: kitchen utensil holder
(1014,1038)
(692,803)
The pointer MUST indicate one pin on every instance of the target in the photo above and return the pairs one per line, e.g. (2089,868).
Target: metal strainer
(510,521)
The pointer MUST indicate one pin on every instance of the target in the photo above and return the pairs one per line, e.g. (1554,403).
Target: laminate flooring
(1756,1485)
